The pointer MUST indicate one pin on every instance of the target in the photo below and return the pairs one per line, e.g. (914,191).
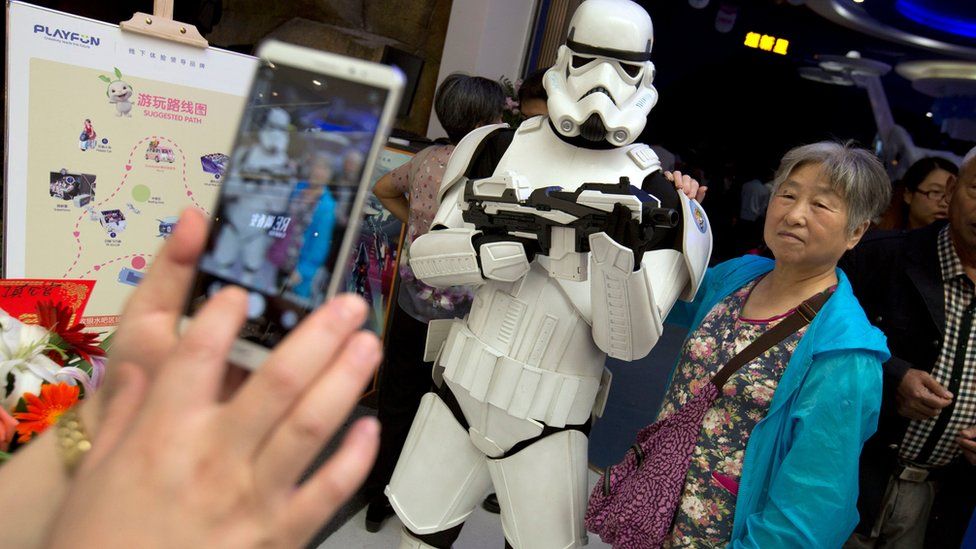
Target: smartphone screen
(288,194)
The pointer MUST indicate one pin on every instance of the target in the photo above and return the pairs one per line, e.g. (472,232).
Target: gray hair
(854,173)
(970,158)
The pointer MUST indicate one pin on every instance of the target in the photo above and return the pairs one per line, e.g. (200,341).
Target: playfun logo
(67,37)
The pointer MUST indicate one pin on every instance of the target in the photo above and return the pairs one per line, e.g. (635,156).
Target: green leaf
(104,78)
(106,343)
(4,457)
(118,73)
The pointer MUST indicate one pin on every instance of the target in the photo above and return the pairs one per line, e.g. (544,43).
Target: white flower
(22,349)
(761,393)
(693,507)
(713,419)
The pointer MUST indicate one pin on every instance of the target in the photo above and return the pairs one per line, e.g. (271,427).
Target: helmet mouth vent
(599,89)
(593,129)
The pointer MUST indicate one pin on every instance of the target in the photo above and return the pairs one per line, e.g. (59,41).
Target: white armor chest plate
(546,161)
(527,347)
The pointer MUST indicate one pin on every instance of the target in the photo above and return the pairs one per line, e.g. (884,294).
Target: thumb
(120,413)
(935,387)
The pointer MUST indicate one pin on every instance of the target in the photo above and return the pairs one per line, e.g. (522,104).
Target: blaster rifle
(587,210)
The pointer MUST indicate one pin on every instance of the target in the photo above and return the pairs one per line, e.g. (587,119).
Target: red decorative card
(19,296)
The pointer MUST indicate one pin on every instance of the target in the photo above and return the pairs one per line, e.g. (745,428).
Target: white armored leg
(227,247)
(542,492)
(409,542)
(441,476)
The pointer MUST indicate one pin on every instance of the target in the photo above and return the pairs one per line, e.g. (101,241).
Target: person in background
(307,241)
(918,480)
(925,191)
(532,96)
(462,103)
(752,209)
(184,453)
(776,459)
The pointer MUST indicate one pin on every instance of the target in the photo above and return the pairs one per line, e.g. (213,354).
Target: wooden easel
(161,25)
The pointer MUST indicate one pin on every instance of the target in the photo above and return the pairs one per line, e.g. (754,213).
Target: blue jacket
(800,470)
(317,240)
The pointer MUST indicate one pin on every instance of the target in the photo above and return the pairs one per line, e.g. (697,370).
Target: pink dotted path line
(139,262)
(125,177)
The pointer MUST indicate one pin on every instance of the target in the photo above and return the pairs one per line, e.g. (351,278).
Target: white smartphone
(290,204)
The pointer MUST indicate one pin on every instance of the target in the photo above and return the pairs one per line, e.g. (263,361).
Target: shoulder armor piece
(696,244)
(644,157)
(531,124)
(463,154)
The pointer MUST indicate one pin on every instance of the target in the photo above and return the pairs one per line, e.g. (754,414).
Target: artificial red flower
(44,411)
(56,317)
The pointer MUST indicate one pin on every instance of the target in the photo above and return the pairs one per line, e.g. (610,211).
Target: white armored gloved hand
(503,260)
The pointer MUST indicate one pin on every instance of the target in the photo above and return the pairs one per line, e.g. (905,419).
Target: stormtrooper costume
(522,375)
(259,186)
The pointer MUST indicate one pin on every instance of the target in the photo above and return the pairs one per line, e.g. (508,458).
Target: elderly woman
(776,460)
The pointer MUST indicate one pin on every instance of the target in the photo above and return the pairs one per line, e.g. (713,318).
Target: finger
(966,444)
(321,412)
(321,495)
(931,384)
(968,433)
(934,401)
(679,181)
(690,186)
(700,195)
(926,412)
(970,456)
(116,419)
(163,292)
(193,375)
(669,175)
(308,350)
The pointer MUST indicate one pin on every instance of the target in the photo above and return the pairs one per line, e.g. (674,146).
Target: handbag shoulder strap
(803,315)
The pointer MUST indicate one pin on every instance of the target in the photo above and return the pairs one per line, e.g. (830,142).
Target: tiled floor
(482,531)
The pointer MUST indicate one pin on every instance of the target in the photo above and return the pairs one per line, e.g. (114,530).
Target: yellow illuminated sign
(766,42)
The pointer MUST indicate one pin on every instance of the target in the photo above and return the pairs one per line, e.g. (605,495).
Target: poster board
(93,183)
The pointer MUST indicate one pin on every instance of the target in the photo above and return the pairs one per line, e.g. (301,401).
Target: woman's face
(927,203)
(806,222)
(320,173)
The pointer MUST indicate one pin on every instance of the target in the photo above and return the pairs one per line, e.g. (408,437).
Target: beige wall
(486,38)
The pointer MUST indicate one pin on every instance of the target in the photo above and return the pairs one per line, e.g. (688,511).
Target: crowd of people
(855,430)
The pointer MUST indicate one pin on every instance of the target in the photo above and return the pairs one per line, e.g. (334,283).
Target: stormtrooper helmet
(278,119)
(600,87)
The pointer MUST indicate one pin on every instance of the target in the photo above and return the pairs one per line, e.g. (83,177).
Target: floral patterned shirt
(420,179)
(704,517)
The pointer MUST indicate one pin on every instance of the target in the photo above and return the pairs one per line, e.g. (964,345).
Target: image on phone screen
(286,201)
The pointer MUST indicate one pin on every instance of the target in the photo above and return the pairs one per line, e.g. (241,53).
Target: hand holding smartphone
(289,208)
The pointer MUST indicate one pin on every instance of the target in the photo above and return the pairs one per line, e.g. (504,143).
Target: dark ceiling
(722,101)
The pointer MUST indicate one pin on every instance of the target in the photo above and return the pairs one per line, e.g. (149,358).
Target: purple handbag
(633,504)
